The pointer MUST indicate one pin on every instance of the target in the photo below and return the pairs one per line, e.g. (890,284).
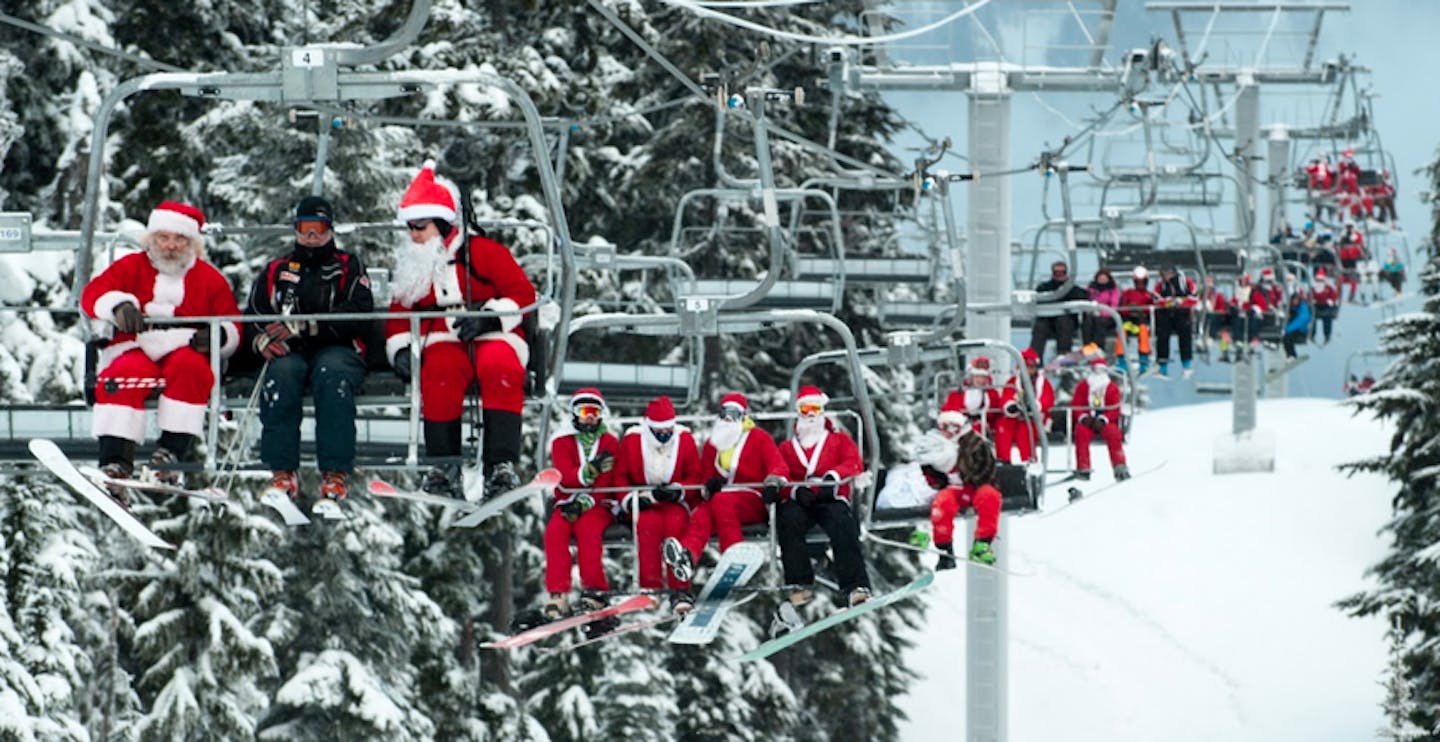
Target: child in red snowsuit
(585,455)
(975,463)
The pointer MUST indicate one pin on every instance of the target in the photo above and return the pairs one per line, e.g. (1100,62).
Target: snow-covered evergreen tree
(22,700)
(1406,396)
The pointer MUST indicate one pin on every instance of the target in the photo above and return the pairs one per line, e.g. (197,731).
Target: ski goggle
(586,410)
(731,412)
(312,228)
(662,435)
(811,409)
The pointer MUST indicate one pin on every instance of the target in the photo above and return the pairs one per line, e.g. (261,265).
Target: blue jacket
(1301,321)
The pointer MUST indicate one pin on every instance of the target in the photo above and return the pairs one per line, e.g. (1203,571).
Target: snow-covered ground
(1185,605)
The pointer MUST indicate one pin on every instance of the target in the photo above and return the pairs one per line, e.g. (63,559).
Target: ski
(1077,495)
(631,628)
(382,488)
(530,636)
(959,558)
(282,504)
(737,565)
(208,494)
(849,614)
(328,509)
(544,481)
(50,455)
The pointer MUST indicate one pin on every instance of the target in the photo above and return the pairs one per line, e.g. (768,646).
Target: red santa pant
(588,531)
(663,520)
(724,515)
(446,372)
(1014,431)
(1083,436)
(951,500)
(188,381)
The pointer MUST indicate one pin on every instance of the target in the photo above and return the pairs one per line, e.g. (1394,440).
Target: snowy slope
(1183,605)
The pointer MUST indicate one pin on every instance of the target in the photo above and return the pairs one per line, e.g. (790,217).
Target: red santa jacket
(200,291)
(835,453)
(1135,303)
(1043,390)
(1325,294)
(644,463)
(756,457)
(1250,299)
(569,456)
(484,276)
(1104,402)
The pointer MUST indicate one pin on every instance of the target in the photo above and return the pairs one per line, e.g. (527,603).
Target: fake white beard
(974,399)
(725,434)
(936,450)
(809,430)
(1097,383)
(170,266)
(415,269)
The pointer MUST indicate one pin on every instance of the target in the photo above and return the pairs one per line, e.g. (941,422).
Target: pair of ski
(471,514)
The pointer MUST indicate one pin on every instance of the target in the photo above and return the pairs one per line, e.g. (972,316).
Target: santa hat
(1320,273)
(980,366)
(811,395)
(660,412)
(588,395)
(428,197)
(1097,362)
(1030,356)
(173,216)
(1267,273)
(737,399)
(953,411)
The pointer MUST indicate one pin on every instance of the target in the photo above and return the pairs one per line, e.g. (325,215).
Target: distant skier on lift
(1016,428)
(975,465)
(1096,412)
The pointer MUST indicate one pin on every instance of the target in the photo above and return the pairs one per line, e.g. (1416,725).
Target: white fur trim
(180,417)
(108,301)
(160,343)
(120,421)
(394,343)
(509,321)
(165,220)
(169,294)
(951,417)
(113,351)
(427,211)
(822,398)
(232,339)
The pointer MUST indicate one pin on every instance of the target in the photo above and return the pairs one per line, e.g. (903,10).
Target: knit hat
(428,197)
(953,411)
(173,216)
(314,208)
(660,412)
(588,395)
(811,395)
(737,399)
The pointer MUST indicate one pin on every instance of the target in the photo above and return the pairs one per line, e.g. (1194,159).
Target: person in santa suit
(169,279)
(439,267)
(742,468)
(1017,429)
(980,400)
(975,466)
(586,455)
(660,460)
(822,460)
(1096,411)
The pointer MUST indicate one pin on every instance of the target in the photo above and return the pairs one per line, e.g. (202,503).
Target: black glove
(804,495)
(665,493)
(771,492)
(603,461)
(128,319)
(947,560)
(714,485)
(1012,409)
(469,328)
(200,341)
(576,506)
(270,349)
(401,364)
(827,491)
(938,480)
(644,500)
(1098,423)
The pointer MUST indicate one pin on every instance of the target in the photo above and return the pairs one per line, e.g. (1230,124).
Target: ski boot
(785,620)
(556,606)
(682,602)
(859,595)
(1186,371)
(444,480)
(919,538)
(160,469)
(118,470)
(1163,368)
(678,559)
(1082,475)
(282,484)
(333,485)
(981,552)
(947,560)
(1122,472)
(501,478)
(595,600)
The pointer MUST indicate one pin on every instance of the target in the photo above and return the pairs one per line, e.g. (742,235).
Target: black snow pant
(1324,320)
(1100,330)
(1290,340)
(793,520)
(1061,328)
(334,374)
(1173,322)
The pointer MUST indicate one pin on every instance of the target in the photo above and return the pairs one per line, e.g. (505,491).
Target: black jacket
(315,281)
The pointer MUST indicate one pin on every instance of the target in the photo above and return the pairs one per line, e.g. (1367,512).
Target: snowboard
(1285,367)
(530,636)
(208,494)
(1078,495)
(849,614)
(50,455)
(544,481)
(960,559)
(737,565)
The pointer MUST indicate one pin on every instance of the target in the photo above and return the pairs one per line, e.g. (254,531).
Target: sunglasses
(662,434)
(731,412)
(419,226)
(587,410)
(312,228)
(811,409)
